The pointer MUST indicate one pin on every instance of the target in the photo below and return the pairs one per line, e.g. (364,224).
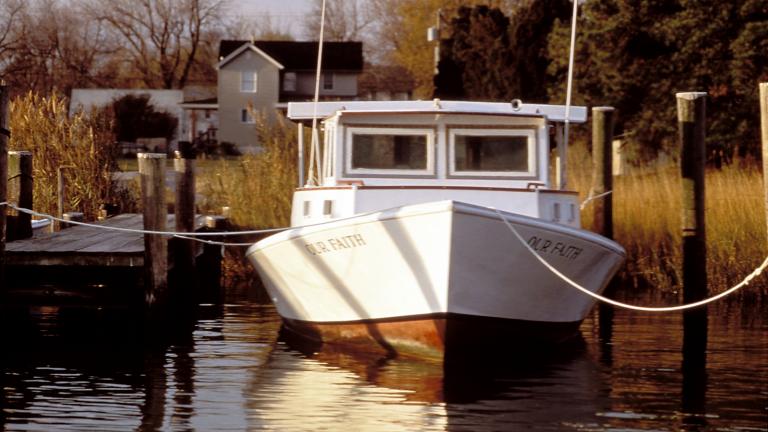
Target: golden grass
(257,188)
(648,221)
(81,142)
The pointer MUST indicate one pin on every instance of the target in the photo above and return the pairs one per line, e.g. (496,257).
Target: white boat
(407,240)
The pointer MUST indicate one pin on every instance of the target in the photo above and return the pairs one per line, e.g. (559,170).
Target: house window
(289,81)
(246,116)
(248,81)
(328,81)
(492,153)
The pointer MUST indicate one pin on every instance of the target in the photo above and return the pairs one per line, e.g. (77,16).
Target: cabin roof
(555,113)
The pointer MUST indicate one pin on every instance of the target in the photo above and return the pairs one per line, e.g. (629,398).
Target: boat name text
(335,244)
(546,246)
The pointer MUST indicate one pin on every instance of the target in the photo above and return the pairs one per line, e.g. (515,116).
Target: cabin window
(384,151)
(492,153)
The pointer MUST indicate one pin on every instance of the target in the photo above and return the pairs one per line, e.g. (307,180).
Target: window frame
(246,117)
(329,81)
(293,81)
(526,131)
(255,81)
(429,132)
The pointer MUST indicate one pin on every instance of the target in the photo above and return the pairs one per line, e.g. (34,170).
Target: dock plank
(86,246)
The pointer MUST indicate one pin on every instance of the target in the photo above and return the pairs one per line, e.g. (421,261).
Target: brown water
(229,371)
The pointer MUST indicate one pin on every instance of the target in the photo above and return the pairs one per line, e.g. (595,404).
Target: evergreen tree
(492,57)
(636,54)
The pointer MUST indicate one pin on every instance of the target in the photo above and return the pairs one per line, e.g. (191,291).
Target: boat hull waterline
(420,278)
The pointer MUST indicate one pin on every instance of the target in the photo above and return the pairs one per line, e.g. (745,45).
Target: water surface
(229,370)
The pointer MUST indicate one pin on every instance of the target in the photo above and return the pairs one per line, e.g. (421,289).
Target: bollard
(691,114)
(152,173)
(72,216)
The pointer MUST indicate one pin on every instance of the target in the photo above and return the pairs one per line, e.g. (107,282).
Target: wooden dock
(85,246)
(92,267)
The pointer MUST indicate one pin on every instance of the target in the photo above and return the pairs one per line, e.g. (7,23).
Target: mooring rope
(592,198)
(570,282)
(182,235)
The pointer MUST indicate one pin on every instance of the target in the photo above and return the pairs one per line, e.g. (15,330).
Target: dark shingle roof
(347,56)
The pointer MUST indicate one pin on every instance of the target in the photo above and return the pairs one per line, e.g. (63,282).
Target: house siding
(232,101)
(344,85)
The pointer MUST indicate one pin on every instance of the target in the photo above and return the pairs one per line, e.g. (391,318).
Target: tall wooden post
(764,135)
(691,108)
(152,173)
(5,134)
(602,182)
(602,169)
(184,250)
(691,115)
(20,191)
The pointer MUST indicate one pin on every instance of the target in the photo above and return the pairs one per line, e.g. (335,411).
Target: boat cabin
(381,155)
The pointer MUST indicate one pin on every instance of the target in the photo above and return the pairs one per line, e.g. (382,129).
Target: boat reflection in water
(381,393)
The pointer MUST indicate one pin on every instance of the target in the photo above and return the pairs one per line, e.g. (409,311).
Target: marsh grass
(257,188)
(81,142)
(648,222)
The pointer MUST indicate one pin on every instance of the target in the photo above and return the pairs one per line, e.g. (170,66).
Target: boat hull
(421,278)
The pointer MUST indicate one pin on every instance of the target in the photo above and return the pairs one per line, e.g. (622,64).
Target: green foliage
(636,54)
(79,142)
(136,117)
(490,57)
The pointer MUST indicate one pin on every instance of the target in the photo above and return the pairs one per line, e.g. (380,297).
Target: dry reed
(257,188)
(81,142)
(648,221)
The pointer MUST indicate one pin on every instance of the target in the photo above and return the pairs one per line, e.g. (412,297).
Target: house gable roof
(337,56)
(242,48)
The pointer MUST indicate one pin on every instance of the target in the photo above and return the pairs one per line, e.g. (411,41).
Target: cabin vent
(307,208)
(573,213)
(327,207)
(556,212)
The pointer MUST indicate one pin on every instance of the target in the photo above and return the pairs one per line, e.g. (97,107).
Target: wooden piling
(764,136)
(602,170)
(691,114)
(602,208)
(5,134)
(19,190)
(185,279)
(152,173)
(209,261)
(184,168)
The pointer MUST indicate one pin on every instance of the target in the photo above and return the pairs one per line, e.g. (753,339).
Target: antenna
(568,92)
(314,152)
